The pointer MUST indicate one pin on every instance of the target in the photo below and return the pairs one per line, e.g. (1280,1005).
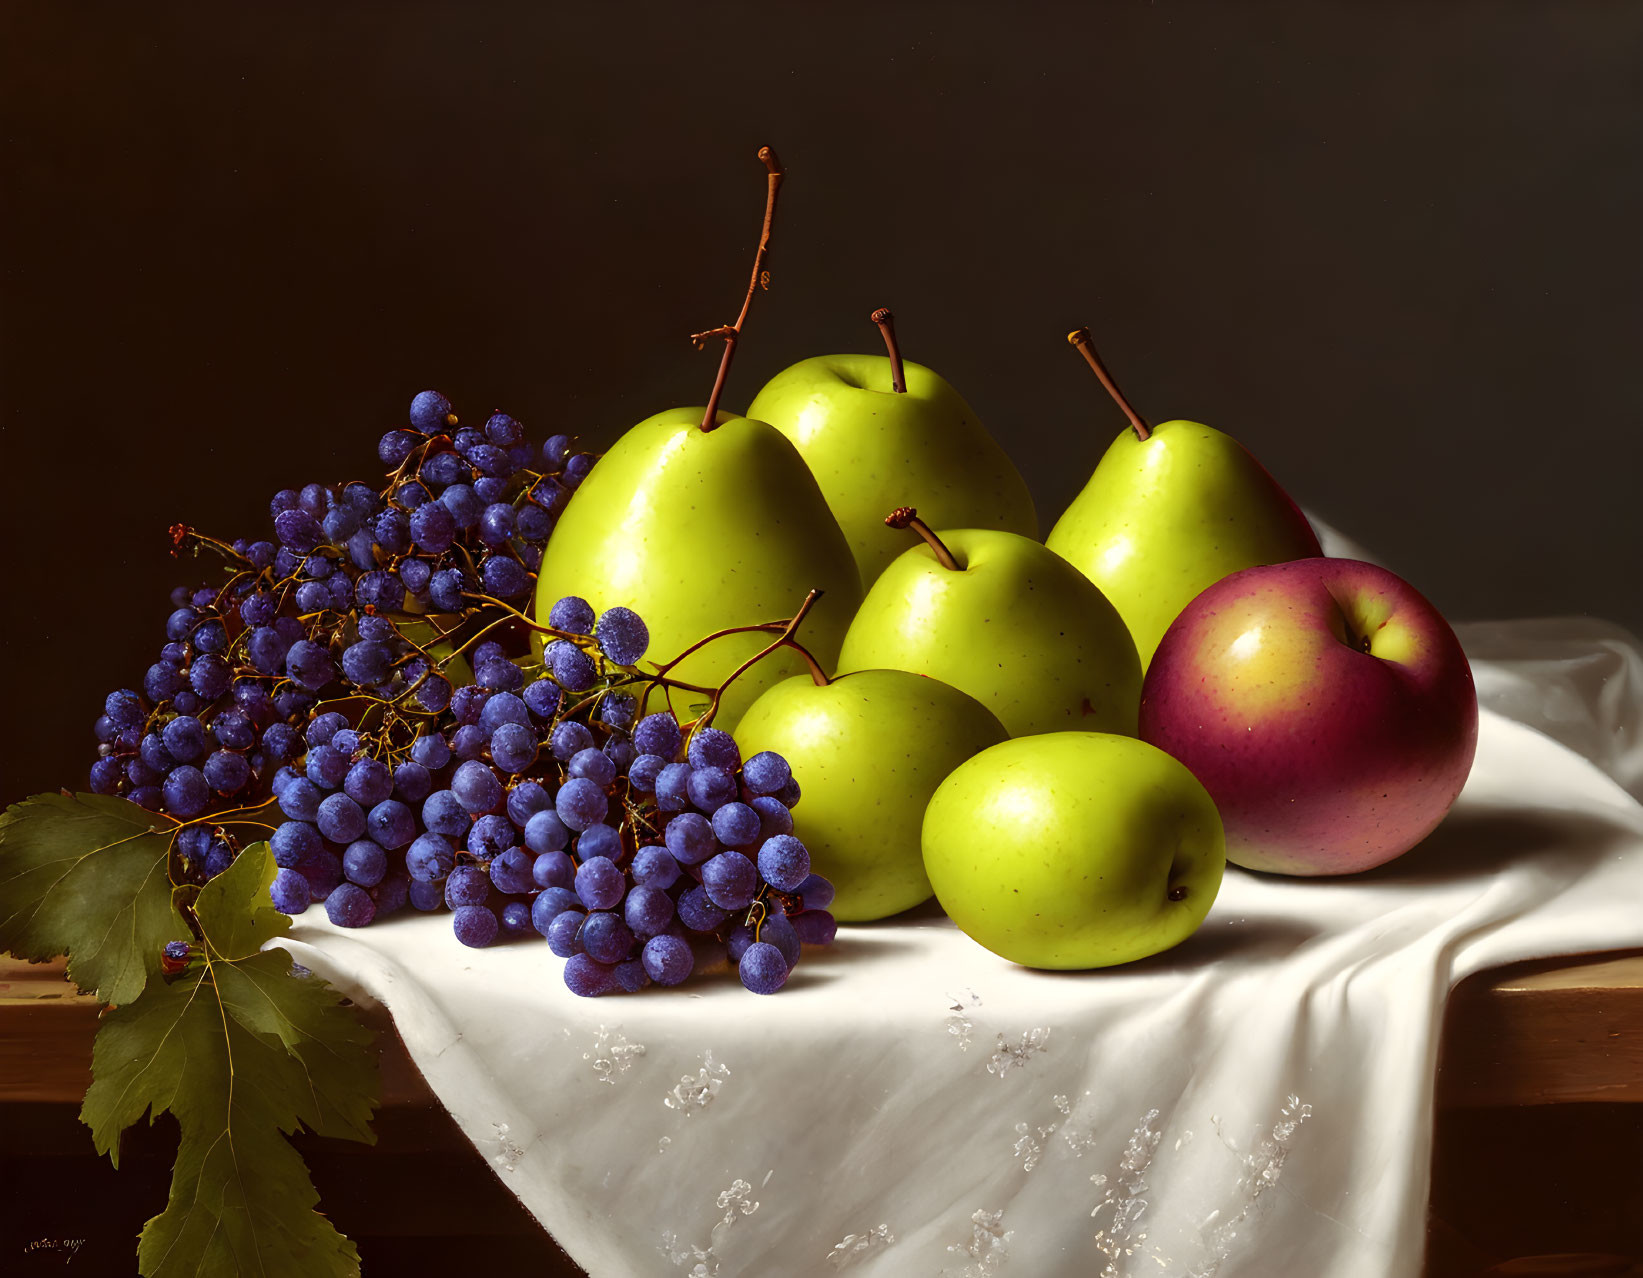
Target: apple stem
(907,517)
(784,640)
(887,326)
(1177,893)
(761,280)
(1080,338)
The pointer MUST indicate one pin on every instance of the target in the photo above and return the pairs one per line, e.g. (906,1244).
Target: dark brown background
(1392,247)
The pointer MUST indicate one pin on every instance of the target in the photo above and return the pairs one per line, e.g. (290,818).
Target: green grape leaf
(86,875)
(242,1052)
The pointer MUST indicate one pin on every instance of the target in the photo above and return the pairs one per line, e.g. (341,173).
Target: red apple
(1325,705)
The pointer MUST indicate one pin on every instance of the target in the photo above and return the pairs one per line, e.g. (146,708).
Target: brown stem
(1080,338)
(907,517)
(887,326)
(761,279)
(783,640)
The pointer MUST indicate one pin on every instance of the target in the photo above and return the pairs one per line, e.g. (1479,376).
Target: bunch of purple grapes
(370,670)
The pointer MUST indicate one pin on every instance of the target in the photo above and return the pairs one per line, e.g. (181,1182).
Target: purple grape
(525,800)
(711,748)
(364,863)
(309,664)
(711,788)
(736,825)
(599,840)
(549,904)
(788,795)
(573,615)
(412,782)
(622,635)
(542,698)
(431,751)
(431,413)
(426,896)
(210,676)
(617,710)
(350,905)
(631,976)
(690,839)
(511,871)
(599,884)
(476,786)
(580,803)
(606,937)
(504,431)
(301,799)
(565,933)
(503,707)
(647,910)
(474,925)
(368,782)
(595,765)
(513,748)
(340,819)
(644,770)
(577,468)
(762,968)
(289,892)
(654,866)
(444,469)
(588,977)
(390,824)
(467,885)
(184,738)
(292,842)
(573,669)
(226,772)
(673,787)
(105,776)
(555,451)
(463,503)
(443,813)
(816,892)
(266,649)
(327,766)
(698,913)
(568,740)
(394,447)
(815,927)
(185,792)
(367,662)
(731,880)
(298,530)
(778,931)
(499,676)
(545,832)
(516,918)
(469,742)
(534,523)
(496,525)
(765,773)
(429,858)
(490,835)
(668,959)
(553,869)
(784,862)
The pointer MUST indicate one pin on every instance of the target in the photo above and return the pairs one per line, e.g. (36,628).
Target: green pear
(873,446)
(698,531)
(1170,510)
(1009,622)
(1074,850)
(870,748)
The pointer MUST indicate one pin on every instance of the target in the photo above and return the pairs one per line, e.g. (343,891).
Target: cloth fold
(1256,1101)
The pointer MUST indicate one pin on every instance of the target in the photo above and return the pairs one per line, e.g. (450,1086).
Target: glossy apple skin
(873,449)
(1322,758)
(698,531)
(1061,850)
(1019,629)
(869,750)
(1164,518)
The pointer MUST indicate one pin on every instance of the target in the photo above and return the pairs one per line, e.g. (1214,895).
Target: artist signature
(68,1246)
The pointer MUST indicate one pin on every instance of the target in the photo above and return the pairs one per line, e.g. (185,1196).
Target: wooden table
(1540,1090)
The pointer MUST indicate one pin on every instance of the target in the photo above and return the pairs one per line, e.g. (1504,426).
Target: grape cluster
(343,603)
(426,743)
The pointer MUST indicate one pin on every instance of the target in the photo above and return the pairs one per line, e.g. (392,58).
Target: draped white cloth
(1257,1101)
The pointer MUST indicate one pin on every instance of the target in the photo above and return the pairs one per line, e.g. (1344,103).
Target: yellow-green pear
(1074,849)
(699,531)
(870,748)
(1004,619)
(1170,510)
(879,431)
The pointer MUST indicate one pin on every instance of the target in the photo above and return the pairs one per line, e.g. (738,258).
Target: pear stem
(887,326)
(761,279)
(907,517)
(783,640)
(1080,338)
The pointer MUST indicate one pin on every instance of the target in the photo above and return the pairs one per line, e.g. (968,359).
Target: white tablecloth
(1256,1102)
